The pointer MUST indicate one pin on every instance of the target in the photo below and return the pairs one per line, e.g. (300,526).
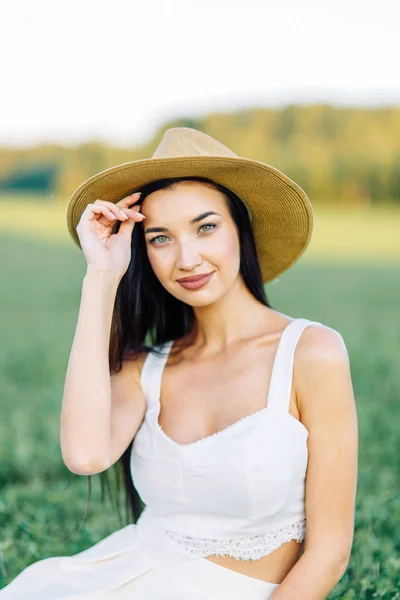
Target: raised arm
(101,412)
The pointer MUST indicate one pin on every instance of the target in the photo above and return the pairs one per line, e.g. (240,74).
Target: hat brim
(281,212)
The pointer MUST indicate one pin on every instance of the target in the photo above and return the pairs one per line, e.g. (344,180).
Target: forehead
(185,199)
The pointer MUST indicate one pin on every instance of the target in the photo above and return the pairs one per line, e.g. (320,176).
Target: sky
(116,70)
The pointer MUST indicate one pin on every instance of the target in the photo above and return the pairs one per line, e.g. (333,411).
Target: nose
(188,258)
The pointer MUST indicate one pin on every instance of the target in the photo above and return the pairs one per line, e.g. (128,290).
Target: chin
(199,302)
(196,298)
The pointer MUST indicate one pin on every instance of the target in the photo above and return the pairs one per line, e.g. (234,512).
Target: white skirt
(136,562)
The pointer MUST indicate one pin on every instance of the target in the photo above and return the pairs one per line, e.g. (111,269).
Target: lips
(194,277)
(196,281)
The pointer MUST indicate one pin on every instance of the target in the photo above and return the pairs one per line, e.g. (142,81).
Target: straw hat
(281,213)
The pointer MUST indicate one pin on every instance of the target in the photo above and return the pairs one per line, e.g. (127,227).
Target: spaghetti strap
(150,376)
(282,371)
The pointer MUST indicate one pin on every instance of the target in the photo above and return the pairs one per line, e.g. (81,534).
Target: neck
(236,316)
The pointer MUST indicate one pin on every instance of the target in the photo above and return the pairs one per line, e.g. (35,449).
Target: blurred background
(311,88)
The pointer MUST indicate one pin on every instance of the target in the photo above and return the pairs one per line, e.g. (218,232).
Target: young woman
(236,423)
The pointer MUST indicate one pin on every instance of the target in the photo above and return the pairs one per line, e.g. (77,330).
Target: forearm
(313,577)
(86,408)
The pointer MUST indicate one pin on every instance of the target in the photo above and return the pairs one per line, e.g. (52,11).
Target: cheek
(160,262)
(226,250)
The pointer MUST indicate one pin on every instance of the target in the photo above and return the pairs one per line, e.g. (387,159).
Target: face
(189,232)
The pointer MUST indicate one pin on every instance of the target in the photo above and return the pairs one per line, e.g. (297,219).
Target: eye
(157,237)
(213,225)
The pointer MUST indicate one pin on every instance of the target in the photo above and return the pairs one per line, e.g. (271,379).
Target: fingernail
(140,215)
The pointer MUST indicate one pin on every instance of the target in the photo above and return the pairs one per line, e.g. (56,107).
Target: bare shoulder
(317,342)
(321,369)
(321,343)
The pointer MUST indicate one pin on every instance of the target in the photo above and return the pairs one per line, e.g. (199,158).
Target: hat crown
(184,141)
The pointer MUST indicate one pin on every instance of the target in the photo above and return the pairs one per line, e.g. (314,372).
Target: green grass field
(40,293)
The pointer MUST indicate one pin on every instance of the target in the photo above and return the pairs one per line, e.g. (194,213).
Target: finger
(116,210)
(134,214)
(132,198)
(118,207)
(126,201)
(127,226)
(92,211)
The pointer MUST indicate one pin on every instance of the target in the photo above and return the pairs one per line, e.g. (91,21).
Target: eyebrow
(195,220)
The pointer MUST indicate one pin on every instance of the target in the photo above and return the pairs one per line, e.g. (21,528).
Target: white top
(238,492)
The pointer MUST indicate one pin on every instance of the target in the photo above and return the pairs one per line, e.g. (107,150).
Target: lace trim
(235,424)
(242,548)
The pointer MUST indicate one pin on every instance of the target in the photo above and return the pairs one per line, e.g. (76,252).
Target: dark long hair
(146,314)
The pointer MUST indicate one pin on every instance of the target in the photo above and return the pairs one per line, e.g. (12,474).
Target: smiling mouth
(194,277)
(195,282)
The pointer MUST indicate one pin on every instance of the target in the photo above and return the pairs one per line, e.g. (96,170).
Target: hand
(103,249)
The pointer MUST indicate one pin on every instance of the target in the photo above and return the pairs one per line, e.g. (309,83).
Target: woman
(243,451)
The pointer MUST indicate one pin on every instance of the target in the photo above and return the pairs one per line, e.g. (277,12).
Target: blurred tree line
(338,155)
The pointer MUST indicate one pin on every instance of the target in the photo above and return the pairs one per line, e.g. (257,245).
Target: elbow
(335,563)
(343,563)
(83,467)
(343,554)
